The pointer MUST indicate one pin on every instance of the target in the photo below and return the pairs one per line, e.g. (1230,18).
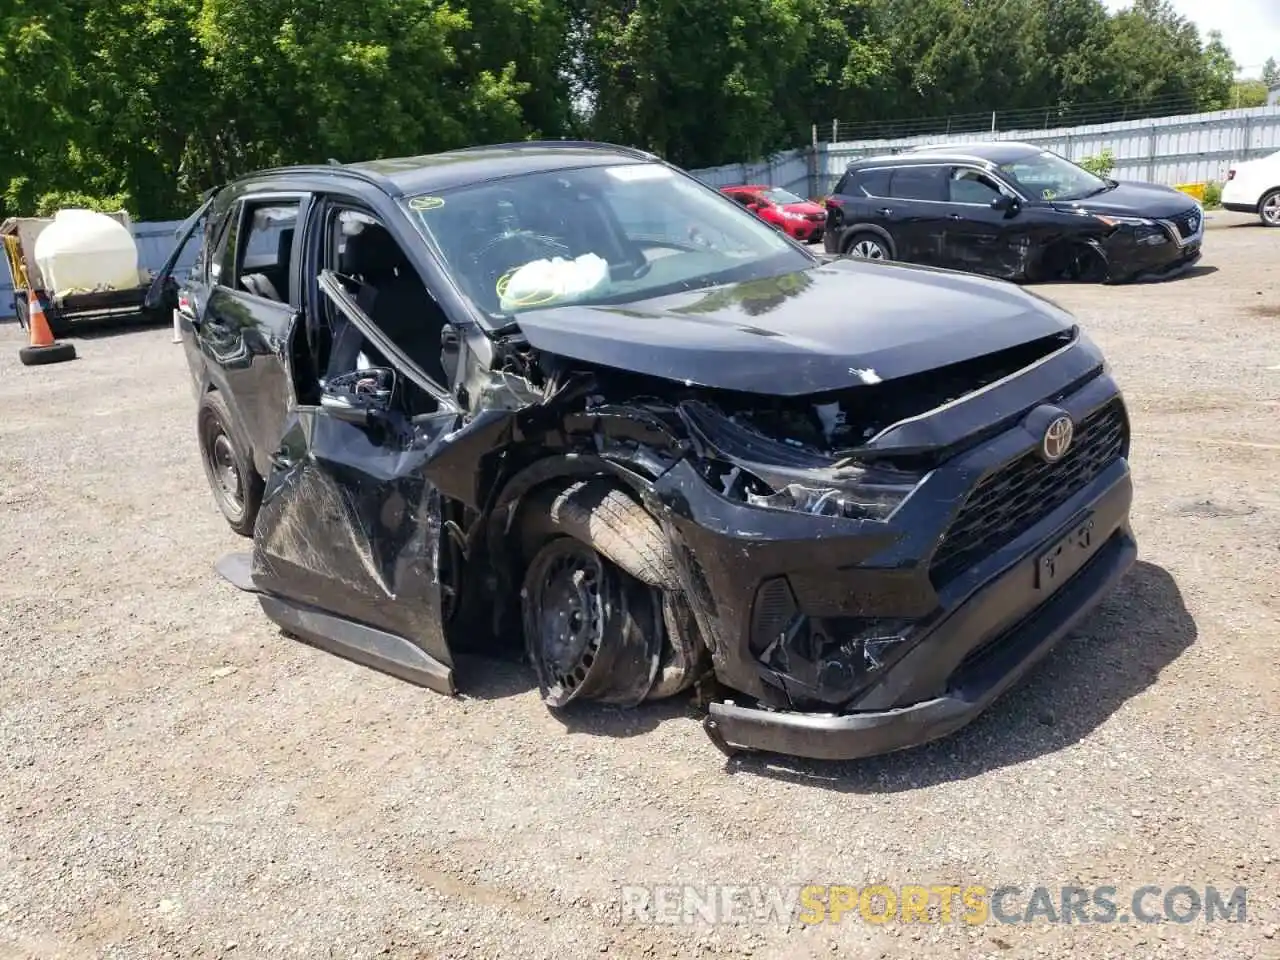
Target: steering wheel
(698,239)
(525,246)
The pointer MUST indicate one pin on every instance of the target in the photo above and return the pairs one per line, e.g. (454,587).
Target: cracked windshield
(596,235)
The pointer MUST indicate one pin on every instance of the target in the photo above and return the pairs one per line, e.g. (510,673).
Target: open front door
(163,292)
(347,544)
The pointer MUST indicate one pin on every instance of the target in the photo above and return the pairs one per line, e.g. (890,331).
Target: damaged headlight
(1145,231)
(852,493)
(855,503)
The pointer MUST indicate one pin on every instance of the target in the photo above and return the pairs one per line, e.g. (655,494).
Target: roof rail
(325,169)
(951,155)
(961,145)
(571,144)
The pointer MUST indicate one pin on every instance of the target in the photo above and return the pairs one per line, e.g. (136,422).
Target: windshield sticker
(631,172)
(422,204)
(1047,193)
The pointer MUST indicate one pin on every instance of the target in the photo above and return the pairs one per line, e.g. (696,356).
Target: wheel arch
(522,508)
(604,507)
(238,426)
(852,230)
(1036,271)
(1262,198)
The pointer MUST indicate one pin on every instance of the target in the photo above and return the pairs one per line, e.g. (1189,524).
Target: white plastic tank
(83,251)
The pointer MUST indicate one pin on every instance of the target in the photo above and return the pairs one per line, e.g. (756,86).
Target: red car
(796,216)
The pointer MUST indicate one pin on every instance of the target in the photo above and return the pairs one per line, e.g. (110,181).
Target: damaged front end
(868,570)
(836,560)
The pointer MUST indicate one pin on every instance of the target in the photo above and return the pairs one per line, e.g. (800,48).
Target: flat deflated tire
(54,353)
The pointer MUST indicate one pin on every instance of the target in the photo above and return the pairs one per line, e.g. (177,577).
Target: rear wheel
(1269,209)
(236,486)
(867,246)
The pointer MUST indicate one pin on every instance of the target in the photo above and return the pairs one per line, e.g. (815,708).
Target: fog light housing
(820,662)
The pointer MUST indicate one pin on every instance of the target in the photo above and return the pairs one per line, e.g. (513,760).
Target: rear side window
(918,183)
(873,182)
(265,241)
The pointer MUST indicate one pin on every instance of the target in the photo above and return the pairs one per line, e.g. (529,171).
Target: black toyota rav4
(564,392)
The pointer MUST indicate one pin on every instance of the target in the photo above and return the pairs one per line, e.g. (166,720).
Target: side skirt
(367,646)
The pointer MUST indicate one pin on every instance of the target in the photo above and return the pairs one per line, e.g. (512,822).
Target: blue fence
(155,243)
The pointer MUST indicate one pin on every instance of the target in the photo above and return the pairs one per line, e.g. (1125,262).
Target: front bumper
(964,622)
(1151,269)
(807,231)
(976,685)
(1129,261)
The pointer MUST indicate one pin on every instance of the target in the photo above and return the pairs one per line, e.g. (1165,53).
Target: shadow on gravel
(489,677)
(109,329)
(1117,653)
(1199,270)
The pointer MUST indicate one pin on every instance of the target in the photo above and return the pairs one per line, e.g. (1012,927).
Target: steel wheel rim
(226,475)
(1271,209)
(868,250)
(570,618)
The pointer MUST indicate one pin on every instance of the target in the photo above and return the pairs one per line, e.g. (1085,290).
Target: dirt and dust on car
(858,501)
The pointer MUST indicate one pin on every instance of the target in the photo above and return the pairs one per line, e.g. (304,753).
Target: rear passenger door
(253,298)
(916,213)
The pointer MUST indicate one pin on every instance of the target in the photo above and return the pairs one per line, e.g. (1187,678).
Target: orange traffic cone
(42,347)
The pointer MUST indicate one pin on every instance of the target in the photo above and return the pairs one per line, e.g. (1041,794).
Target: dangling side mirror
(360,395)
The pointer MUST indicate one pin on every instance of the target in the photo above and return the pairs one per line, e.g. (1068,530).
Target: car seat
(273,284)
(394,297)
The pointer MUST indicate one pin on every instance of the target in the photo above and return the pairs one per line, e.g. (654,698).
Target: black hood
(825,328)
(1134,200)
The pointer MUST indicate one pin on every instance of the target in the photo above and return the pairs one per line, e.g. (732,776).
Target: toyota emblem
(1057,439)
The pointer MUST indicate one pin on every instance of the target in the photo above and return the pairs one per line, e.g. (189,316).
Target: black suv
(564,392)
(1013,211)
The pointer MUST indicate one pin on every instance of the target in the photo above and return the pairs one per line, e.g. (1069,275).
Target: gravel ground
(180,780)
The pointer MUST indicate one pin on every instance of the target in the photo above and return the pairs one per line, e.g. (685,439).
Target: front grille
(1017,496)
(1187,223)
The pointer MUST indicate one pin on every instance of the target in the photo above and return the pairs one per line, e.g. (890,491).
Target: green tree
(1271,72)
(37,84)
(1156,56)
(694,84)
(1247,93)
(148,102)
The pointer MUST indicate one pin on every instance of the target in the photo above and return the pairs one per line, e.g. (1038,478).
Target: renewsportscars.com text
(970,904)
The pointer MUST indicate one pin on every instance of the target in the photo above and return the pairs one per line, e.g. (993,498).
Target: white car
(1254,187)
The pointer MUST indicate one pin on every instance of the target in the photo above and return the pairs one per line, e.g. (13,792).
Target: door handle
(954,216)
(885,210)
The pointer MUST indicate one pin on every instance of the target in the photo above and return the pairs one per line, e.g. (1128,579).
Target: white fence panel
(789,170)
(1169,150)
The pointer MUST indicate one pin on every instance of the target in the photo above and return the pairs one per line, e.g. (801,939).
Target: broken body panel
(837,501)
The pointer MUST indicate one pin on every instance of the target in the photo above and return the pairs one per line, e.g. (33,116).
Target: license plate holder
(1065,556)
